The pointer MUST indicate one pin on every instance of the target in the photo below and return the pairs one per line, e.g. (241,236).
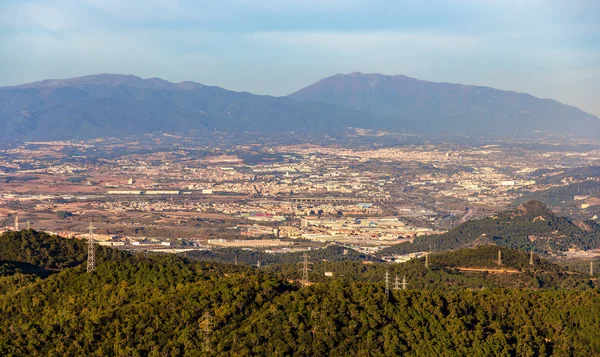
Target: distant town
(171,194)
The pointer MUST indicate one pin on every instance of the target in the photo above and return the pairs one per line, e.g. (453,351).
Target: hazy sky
(546,48)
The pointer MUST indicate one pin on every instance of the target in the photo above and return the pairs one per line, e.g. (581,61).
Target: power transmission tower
(91,263)
(427,260)
(258,264)
(17,223)
(305,281)
(235,260)
(396,283)
(499,257)
(404,283)
(531,258)
(387,284)
(591,268)
(207,328)
(28,225)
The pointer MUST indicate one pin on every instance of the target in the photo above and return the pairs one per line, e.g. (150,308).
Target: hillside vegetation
(40,253)
(165,305)
(531,226)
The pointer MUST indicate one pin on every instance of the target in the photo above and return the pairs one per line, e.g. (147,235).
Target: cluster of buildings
(356,197)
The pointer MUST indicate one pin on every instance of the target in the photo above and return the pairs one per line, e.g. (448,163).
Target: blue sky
(549,48)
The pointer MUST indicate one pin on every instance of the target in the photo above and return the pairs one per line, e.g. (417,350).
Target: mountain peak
(531,210)
(367,75)
(534,209)
(120,105)
(425,107)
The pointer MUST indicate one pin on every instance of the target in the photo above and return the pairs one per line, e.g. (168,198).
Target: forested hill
(32,252)
(252,257)
(531,226)
(165,305)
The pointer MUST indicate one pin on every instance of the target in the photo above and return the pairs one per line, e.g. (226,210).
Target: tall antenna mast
(91,263)
(387,284)
(404,283)
(396,283)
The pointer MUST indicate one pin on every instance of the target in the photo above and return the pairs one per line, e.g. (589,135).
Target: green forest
(531,226)
(168,305)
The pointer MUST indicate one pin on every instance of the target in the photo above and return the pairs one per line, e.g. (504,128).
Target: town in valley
(172,194)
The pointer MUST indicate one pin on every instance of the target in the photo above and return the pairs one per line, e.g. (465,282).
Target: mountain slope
(531,226)
(445,108)
(117,105)
(39,253)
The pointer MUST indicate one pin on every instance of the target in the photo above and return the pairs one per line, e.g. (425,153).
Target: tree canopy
(168,305)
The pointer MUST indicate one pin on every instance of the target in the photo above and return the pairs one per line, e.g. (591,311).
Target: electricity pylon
(531,258)
(305,263)
(207,328)
(387,284)
(404,283)
(91,263)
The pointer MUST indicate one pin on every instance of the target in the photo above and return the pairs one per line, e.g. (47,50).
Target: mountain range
(124,105)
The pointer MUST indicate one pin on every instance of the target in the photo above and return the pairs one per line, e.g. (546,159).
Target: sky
(548,48)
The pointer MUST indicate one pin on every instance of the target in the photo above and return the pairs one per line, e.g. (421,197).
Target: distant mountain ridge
(125,105)
(456,109)
(112,80)
(117,105)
